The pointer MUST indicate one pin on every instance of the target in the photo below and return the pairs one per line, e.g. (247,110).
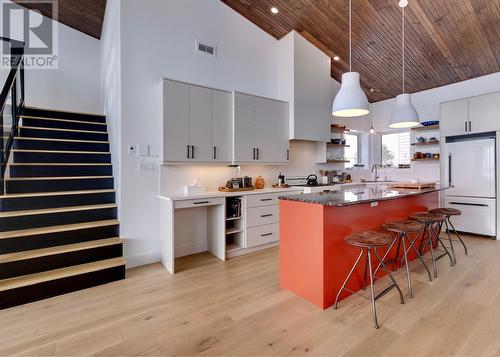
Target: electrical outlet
(374,204)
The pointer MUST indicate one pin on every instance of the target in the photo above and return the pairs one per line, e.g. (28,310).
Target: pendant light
(404,115)
(372,131)
(350,101)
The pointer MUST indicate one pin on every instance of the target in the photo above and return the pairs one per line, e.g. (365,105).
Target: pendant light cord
(350,35)
(403,46)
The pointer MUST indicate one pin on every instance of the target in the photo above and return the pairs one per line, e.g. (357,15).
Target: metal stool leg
(390,277)
(412,245)
(405,257)
(451,242)
(429,239)
(459,238)
(348,277)
(396,238)
(372,289)
(437,231)
(366,272)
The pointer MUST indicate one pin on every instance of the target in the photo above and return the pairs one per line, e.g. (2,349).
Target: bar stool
(448,212)
(432,223)
(403,229)
(369,241)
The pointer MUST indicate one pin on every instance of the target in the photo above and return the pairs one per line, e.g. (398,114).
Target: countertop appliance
(312,180)
(310,187)
(470,166)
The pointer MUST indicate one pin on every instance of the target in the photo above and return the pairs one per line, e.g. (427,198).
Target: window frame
(399,131)
(358,148)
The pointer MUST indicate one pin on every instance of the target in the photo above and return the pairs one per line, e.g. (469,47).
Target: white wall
(111,85)
(158,40)
(75,85)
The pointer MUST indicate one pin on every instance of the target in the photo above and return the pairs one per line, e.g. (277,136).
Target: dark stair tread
(59,140)
(55,193)
(59,129)
(57,178)
(62,152)
(38,278)
(44,252)
(62,114)
(62,120)
(56,229)
(55,210)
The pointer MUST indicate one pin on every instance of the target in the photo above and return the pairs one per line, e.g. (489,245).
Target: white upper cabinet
(244,128)
(260,130)
(454,118)
(200,123)
(484,113)
(197,123)
(471,115)
(304,82)
(175,121)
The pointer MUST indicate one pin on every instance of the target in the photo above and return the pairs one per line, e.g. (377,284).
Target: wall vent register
(207,49)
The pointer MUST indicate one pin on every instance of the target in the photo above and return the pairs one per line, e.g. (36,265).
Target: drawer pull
(469,204)
(200,202)
(266,234)
(266,215)
(266,199)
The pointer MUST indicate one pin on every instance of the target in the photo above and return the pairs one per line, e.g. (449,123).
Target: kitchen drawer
(262,235)
(258,216)
(199,203)
(265,199)
(478,214)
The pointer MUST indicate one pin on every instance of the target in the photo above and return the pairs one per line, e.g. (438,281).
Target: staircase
(58,226)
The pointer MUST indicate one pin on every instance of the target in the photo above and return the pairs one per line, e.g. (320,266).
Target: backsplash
(302,163)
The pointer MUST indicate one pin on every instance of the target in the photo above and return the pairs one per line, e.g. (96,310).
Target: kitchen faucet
(375,168)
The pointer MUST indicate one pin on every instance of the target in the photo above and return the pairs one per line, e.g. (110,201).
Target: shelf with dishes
(427,159)
(426,143)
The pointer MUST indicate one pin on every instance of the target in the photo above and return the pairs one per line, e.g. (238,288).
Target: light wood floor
(237,308)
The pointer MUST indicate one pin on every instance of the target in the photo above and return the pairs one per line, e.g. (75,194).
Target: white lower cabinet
(262,219)
(262,235)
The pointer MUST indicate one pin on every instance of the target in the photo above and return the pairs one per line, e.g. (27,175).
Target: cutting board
(417,186)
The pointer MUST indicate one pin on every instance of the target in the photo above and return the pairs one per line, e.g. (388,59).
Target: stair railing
(11,102)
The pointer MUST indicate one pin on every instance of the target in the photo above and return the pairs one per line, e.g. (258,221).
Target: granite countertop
(358,195)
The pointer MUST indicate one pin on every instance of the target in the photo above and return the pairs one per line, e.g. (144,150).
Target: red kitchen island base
(315,260)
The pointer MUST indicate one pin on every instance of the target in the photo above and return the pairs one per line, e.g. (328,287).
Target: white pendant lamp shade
(404,114)
(350,101)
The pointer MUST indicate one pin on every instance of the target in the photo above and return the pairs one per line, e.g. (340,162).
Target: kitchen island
(314,259)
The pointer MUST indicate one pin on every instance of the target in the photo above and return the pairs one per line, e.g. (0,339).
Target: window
(351,152)
(396,149)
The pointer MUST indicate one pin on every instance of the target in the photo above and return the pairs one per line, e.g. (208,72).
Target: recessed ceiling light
(336,58)
(274,10)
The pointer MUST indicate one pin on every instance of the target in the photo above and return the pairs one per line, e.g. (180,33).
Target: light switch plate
(131,149)
(154,150)
(146,166)
(143,150)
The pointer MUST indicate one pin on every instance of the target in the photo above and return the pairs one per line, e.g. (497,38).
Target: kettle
(312,180)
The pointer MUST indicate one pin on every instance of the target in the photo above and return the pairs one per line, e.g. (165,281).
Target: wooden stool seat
(369,239)
(446,211)
(426,217)
(404,226)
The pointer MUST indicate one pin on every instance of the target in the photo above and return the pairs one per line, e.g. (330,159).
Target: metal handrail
(17,106)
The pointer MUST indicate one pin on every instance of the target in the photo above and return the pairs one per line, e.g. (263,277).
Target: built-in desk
(191,224)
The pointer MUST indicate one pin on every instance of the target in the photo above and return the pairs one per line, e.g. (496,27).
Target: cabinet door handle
(287,154)
(258,153)
(469,204)
(215,153)
(200,202)
(266,234)
(465,126)
(188,152)
(470,126)
(266,215)
(254,153)
(192,151)
(265,199)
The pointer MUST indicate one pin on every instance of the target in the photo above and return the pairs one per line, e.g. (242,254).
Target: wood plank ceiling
(447,41)
(85,16)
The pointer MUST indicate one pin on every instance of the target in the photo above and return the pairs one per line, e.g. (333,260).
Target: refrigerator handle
(449,169)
